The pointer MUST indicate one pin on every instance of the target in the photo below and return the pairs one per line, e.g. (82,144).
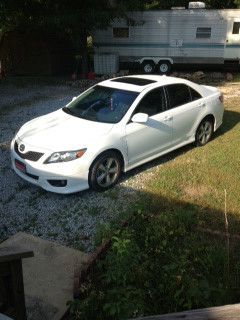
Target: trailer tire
(164,67)
(148,66)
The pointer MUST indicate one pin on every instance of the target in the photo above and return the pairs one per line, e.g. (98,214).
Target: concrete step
(48,276)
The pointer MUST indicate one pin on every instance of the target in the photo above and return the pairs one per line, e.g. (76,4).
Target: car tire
(164,67)
(148,67)
(204,132)
(105,171)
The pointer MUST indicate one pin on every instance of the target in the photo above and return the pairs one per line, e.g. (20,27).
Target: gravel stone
(66,219)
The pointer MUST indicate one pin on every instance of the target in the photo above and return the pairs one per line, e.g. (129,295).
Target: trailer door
(232,48)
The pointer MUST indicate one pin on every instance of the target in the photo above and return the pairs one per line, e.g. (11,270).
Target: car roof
(138,83)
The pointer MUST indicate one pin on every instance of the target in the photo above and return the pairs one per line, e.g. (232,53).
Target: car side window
(194,94)
(152,103)
(178,94)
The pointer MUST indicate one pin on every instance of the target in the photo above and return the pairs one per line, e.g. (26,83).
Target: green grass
(200,176)
(163,261)
(95,211)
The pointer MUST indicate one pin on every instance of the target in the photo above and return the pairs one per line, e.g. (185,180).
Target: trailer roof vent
(196,5)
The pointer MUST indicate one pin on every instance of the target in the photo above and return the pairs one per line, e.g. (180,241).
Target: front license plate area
(20,166)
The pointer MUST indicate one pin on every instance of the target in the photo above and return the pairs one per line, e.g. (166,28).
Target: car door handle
(202,104)
(167,118)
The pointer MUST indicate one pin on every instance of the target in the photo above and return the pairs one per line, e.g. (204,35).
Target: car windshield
(102,104)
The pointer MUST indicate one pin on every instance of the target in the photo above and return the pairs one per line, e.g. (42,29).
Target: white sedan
(114,127)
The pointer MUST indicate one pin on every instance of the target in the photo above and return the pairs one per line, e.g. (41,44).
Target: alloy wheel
(204,132)
(107,172)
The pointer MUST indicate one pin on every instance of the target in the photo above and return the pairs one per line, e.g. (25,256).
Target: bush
(159,264)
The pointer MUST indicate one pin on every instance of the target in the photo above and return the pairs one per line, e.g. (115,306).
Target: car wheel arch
(107,178)
(117,151)
(209,116)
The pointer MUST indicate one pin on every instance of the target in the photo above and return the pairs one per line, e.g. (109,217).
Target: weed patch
(158,264)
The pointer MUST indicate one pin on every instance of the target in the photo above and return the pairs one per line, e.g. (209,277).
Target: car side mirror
(74,98)
(140,118)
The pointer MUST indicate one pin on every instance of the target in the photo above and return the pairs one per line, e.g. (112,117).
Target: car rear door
(145,140)
(187,106)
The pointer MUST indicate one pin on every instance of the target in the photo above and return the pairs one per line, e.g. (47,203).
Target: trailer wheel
(164,67)
(148,67)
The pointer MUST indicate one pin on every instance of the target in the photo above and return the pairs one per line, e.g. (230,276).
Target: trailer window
(203,33)
(236,27)
(120,32)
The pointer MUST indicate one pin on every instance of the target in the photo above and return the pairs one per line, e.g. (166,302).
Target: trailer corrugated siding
(159,32)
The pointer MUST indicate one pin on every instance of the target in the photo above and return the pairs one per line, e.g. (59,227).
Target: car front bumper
(70,176)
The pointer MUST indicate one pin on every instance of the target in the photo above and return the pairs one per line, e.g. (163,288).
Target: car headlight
(64,156)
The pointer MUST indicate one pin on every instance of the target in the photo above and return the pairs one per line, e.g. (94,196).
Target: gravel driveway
(67,219)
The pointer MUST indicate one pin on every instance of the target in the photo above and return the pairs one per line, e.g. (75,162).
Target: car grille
(30,155)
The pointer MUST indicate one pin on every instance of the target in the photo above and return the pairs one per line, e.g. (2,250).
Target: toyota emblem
(21,147)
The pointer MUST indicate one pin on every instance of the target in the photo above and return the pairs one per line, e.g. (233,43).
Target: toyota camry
(112,128)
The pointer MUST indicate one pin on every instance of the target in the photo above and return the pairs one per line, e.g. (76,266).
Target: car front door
(186,105)
(145,140)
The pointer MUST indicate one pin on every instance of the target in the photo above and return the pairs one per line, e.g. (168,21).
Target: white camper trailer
(161,39)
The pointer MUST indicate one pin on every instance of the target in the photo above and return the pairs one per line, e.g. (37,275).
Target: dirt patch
(195,191)
(230,89)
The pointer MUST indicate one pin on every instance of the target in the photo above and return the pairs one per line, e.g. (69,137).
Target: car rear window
(178,94)
(194,94)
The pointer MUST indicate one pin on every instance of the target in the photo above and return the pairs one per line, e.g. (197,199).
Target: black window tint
(178,94)
(121,32)
(152,103)
(102,104)
(203,33)
(133,80)
(236,26)
(194,94)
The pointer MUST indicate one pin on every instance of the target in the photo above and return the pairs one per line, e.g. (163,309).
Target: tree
(76,19)
(220,4)
(210,4)
(237,3)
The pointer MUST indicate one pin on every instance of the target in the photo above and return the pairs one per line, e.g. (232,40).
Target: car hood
(59,131)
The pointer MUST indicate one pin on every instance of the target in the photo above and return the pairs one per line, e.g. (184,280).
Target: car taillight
(221,98)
